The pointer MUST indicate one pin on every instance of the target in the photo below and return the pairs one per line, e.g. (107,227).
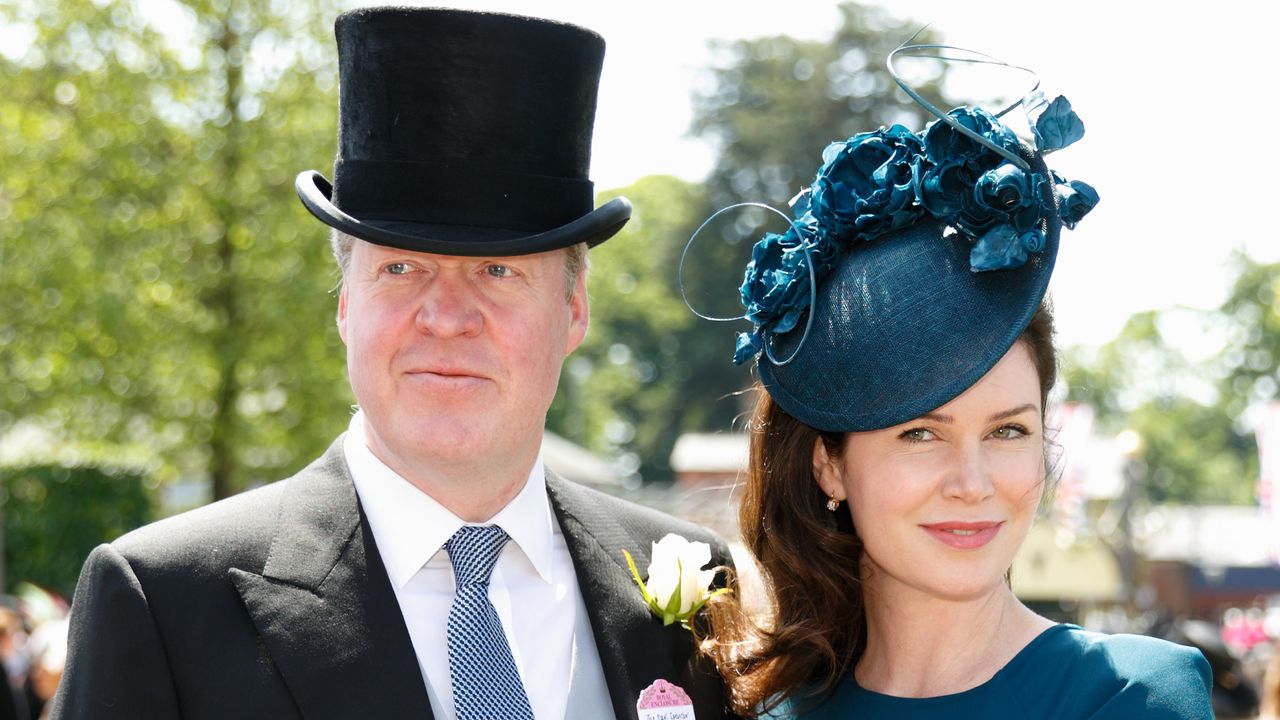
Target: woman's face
(943,502)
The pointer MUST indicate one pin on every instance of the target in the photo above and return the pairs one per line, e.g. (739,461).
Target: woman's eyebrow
(1014,411)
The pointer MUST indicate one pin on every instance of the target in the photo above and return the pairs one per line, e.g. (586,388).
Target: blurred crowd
(1243,650)
(33,648)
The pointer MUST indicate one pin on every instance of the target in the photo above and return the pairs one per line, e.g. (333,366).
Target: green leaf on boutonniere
(669,593)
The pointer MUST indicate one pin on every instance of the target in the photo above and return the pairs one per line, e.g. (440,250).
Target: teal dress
(1066,673)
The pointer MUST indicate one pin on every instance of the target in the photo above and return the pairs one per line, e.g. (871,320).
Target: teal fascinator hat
(912,263)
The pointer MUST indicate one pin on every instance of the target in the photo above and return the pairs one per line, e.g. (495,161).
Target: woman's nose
(970,478)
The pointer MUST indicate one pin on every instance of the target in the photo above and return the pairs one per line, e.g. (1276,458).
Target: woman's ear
(826,471)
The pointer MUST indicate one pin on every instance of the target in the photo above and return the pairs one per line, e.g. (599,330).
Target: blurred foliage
(774,103)
(162,286)
(1252,353)
(1193,416)
(54,515)
(623,392)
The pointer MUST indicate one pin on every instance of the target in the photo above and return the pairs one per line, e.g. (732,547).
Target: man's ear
(579,314)
(342,312)
(826,471)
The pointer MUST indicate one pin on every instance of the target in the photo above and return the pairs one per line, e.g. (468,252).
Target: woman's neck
(920,645)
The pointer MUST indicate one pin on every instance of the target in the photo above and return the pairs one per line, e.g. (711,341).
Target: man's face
(456,359)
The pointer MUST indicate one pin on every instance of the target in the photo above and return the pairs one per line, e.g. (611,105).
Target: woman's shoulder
(1131,658)
(1065,673)
(1114,675)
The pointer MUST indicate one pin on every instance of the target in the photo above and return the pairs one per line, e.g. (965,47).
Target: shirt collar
(410,526)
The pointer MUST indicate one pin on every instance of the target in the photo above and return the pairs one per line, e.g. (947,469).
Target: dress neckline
(1023,656)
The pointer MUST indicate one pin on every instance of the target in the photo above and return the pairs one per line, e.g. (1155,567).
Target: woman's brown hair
(809,560)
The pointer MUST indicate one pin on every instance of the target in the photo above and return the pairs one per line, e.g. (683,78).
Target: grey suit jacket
(275,604)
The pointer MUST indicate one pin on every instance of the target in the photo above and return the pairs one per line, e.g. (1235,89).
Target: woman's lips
(964,535)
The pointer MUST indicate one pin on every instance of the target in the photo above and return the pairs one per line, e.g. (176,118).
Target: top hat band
(432,194)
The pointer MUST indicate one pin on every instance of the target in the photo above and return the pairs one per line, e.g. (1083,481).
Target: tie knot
(473,551)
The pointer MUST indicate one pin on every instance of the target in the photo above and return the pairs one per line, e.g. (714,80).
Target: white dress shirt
(533,587)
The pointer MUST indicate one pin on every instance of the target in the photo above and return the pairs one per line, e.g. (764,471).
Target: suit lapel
(324,606)
(635,648)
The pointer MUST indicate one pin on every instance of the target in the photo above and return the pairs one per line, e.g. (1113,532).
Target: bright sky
(1176,99)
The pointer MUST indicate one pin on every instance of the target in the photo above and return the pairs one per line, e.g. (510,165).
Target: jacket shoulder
(645,524)
(236,531)
(221,530)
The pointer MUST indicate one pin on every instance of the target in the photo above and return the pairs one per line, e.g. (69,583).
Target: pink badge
(664,701)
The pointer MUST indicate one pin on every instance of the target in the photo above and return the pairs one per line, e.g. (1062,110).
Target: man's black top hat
(464,133)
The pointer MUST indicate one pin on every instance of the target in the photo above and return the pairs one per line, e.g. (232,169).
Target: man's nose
(449,307)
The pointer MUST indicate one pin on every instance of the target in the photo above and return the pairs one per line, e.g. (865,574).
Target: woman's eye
(1009,432)
(397,268)
(916,435)
(498,271)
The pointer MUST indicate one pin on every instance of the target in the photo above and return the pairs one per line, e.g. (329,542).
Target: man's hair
(576,259)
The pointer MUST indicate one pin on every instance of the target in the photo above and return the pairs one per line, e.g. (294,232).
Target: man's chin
(444,440)
(450,443)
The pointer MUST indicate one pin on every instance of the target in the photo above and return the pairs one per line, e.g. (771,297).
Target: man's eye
(498,271)
(397,268)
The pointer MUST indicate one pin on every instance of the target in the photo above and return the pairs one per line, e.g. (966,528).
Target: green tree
(1252,354)
(1193,453)
(619,393)
(1196,446)
(161,283)
(54,514)
(775,102)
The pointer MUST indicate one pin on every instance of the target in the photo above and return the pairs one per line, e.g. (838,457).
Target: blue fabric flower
(823,240)
(1057,127)
(977,191)
(864,188)
(1075,199)
(879,182)
(953,162)
(1009,191)
(749,345)
(1007,195)
(999,249)
(775,289)
(1032,240)
(943,143)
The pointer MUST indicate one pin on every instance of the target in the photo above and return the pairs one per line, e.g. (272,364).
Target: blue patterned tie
(486,684)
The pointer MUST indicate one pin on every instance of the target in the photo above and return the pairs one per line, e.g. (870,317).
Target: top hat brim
(592,228)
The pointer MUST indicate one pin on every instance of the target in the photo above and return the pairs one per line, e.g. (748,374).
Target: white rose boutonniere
(678,586)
